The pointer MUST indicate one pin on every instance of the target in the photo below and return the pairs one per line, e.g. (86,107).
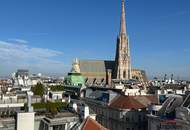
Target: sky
(46,35)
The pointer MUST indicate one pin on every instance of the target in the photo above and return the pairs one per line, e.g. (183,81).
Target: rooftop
(132,102)
(61,118)
(91,124)
(61,115)
(95,65)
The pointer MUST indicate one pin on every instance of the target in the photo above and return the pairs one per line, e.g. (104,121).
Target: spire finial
(123,20)
(75,66)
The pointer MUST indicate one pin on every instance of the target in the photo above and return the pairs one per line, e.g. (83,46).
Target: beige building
(120,112)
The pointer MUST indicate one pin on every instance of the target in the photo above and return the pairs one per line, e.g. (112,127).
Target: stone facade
(115,119)
(122,59)
(139,75)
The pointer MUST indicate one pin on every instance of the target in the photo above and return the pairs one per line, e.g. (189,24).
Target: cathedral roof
(96,65)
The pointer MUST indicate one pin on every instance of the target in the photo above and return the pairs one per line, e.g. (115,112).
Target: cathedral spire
(122,59)
(123,20)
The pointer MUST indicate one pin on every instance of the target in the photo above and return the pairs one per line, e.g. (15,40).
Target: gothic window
(124,74)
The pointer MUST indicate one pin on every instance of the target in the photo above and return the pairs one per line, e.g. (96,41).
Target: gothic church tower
(122,59)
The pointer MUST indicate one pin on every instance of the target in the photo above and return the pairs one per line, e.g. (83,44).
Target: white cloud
(22,41)
(16,55)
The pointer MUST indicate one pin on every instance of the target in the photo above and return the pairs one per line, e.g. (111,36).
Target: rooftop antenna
(165,77)
(172,76)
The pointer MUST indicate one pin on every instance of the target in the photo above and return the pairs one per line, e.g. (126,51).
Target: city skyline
(47,36)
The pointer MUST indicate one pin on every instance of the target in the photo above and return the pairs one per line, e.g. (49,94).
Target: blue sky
(46,35)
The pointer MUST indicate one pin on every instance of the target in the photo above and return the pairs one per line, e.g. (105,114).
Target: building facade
(119,112)
(122,114)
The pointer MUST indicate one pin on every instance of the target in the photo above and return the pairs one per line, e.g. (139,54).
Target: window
(127,119)
(139,118)
(124,74)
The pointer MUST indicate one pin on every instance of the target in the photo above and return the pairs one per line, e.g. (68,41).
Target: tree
(52,108)
(38,89)
(57,88)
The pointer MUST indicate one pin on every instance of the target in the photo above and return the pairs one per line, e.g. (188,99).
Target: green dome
(75,79)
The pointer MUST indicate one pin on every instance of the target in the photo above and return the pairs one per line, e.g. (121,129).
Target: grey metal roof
(22,72)
(171,103)
(96,65)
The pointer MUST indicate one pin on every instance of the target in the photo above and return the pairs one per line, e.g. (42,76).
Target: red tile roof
(91,124)
(132,102)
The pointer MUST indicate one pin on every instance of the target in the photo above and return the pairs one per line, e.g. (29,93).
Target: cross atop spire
(123,20)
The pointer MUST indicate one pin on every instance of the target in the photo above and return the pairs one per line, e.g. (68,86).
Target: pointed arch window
(124,74)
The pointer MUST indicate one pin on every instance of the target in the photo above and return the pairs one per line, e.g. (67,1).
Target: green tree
(52,108)
(38,89)
(57,88)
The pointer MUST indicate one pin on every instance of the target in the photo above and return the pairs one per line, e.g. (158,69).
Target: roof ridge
(135,99)
(114,99)
(94,122)
(124,100)
(138,100)
(94,60)
(85,123)
(97,123)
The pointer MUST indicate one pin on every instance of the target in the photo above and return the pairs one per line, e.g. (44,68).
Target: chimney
(109,77)
(86,111)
